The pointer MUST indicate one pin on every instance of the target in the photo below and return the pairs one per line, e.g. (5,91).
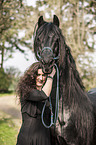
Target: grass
(8,130)
(7,94)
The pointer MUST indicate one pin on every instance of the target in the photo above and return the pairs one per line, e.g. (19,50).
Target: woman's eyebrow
(41,74)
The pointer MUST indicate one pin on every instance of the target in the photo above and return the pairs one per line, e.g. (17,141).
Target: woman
(33,89)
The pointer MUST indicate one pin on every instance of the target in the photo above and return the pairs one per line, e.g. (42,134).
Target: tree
(13,17)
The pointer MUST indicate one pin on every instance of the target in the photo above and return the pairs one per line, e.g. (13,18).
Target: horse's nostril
(51,61)
(42,61)
(46,70)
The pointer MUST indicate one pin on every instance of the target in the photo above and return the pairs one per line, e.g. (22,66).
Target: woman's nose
(41,77)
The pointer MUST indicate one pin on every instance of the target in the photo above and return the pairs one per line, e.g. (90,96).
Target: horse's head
(46,43)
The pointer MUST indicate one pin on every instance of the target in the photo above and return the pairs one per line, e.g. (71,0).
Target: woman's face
(40,79)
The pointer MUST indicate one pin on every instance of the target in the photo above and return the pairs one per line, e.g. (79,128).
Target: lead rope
(53,121)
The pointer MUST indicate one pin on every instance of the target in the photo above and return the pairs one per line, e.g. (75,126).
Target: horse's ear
(40,21)
(56,20)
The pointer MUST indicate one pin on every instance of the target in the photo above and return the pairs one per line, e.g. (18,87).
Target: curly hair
(28,81)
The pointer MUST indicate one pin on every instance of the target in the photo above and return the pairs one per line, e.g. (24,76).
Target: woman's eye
(38,74)
(44,75)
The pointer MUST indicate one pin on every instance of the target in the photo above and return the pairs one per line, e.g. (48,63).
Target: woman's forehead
(40,71)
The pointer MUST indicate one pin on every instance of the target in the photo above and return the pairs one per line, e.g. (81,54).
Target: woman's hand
(48,85)
(52,73)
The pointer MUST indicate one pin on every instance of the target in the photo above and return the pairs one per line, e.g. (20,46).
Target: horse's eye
(57,42)
(38,39)
(56,48)
(56,45)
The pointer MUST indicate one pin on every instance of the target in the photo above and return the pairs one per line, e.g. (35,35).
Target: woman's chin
(39,85)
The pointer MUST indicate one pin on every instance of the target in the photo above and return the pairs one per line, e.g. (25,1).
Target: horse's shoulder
(92,96)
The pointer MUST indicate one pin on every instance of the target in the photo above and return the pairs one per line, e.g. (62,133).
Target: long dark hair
(28,81)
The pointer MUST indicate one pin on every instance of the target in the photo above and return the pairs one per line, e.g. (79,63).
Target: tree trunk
(2,56)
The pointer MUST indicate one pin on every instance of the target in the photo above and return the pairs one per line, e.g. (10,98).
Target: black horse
(76,123)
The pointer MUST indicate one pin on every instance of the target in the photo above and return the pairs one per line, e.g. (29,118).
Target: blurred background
(17,21)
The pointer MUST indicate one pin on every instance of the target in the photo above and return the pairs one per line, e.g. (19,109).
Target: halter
(48,48)
(53,121)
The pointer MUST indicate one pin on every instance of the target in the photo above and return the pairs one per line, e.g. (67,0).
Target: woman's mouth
(40,81)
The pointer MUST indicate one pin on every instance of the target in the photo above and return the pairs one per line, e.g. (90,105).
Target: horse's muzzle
(47,59)
(46,55)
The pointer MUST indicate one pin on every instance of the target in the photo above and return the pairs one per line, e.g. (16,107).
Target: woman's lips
(40,81)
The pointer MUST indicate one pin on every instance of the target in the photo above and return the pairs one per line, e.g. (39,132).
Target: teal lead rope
(53,121)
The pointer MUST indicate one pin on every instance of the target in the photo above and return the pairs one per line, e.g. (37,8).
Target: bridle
(47,48)
(54,117)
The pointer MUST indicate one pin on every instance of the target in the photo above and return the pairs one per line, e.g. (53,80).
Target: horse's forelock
(48,28)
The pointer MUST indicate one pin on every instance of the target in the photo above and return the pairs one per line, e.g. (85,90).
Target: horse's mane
(71,87)
(74,95)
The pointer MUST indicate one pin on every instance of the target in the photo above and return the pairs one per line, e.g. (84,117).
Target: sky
(31,2)
(19,61)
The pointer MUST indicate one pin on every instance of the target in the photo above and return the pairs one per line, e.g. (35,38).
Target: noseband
(47,48)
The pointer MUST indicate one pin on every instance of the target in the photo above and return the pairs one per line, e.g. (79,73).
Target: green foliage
(8,79)
(14,74)
(13,18)
(10,93)
(7,132)
(5,81)
(8,129)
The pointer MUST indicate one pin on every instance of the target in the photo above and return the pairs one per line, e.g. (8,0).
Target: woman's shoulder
(34,95)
